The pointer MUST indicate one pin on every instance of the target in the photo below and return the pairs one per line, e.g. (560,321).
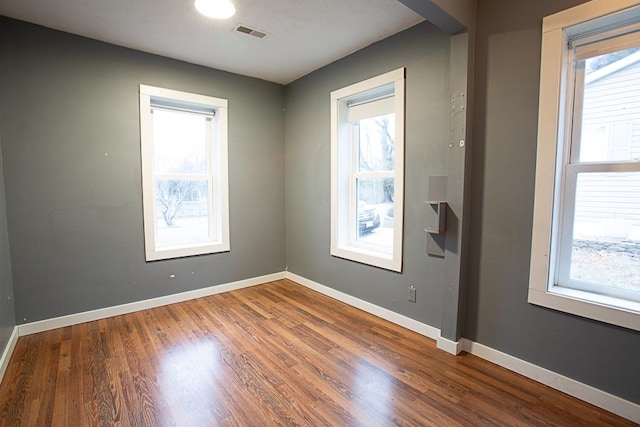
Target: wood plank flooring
(270,355)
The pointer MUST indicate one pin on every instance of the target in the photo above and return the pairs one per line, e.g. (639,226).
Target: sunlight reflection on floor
(188,375)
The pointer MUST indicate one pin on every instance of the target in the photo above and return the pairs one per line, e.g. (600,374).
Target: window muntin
(601,193)
(372,179)
(587,166)
(183,138)
(367,171)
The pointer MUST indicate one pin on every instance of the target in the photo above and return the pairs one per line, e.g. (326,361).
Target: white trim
(8,351)
(386,314)
(587,393)
(343,198)
(365,85)
(216,174)
(103,313)
(594,396)
(552,152)
(593,306)
(585,12)
(191,98)
(451,347)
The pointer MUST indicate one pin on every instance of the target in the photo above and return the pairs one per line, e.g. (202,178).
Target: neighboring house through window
(367,171)
(585,255)
(184,173)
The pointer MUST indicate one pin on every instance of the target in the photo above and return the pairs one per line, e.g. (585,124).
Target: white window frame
(554,122)
(216,175)
(343,171)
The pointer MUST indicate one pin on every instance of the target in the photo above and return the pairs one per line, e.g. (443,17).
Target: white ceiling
(303,35)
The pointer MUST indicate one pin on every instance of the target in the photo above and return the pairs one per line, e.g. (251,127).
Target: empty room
(320,213)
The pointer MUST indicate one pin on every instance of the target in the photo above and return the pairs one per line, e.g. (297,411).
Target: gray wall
(505,129)
(424,51)
(7,320)
(75,214)
(71,140)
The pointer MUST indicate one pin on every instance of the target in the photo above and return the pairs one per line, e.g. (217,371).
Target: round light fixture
(217,9)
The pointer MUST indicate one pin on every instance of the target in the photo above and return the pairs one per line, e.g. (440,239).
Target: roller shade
(612,41)
(373,108)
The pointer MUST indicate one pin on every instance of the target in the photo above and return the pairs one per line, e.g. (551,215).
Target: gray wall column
(453,297)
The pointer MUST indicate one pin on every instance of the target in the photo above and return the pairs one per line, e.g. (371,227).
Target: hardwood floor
(274,354)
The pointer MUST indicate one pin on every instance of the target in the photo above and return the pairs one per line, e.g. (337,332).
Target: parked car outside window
(368,217)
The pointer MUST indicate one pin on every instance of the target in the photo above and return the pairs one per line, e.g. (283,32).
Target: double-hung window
(367,149)
(184,173)
(586,234)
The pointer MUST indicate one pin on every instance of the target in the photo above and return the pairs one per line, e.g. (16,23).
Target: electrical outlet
(412,293)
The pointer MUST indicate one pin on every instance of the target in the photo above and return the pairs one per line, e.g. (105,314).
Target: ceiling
(302,35)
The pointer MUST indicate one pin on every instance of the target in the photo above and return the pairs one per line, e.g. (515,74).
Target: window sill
(364,256)
(597,307)
(186,251)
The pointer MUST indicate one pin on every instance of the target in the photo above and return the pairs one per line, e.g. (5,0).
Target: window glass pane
(611,107)
(376,146)
(179,142)
(375,212)
(606,235)
(182,213)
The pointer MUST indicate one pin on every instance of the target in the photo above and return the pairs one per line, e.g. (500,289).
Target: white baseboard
(8,351)
(451,347)
(599,398)
(391,316)
(103,313)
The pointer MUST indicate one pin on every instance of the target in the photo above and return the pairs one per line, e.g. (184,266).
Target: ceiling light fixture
(217,9)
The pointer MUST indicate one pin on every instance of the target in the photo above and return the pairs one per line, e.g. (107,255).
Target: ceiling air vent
(250,31)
